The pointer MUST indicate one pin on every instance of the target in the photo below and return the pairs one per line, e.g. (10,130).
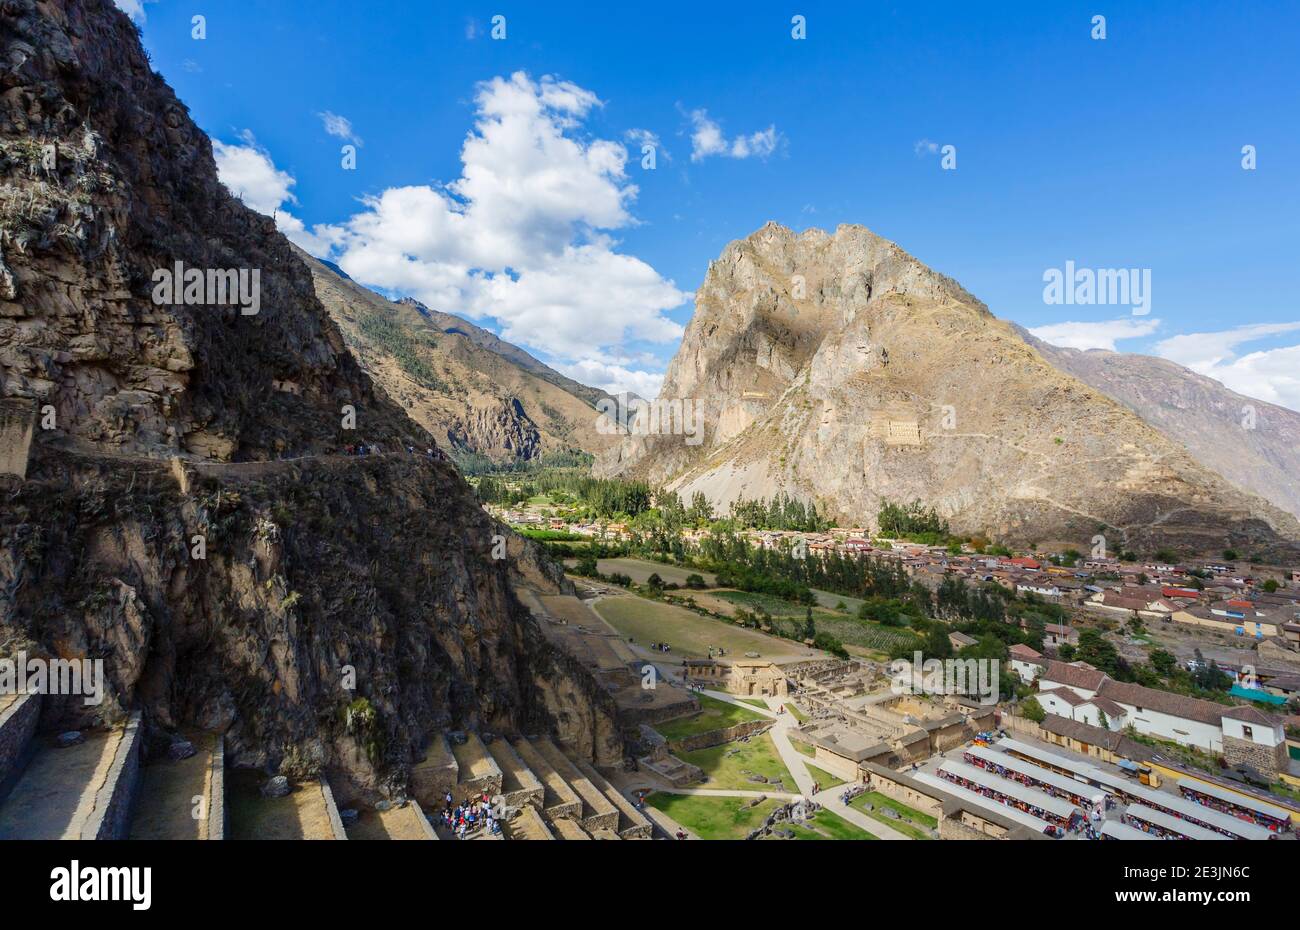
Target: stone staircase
(64,787)
(549,793)
(632,824)
(597,811)
(519,786)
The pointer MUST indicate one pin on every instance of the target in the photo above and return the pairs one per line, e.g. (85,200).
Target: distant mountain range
(1250,442)
(468,387)
(840,369)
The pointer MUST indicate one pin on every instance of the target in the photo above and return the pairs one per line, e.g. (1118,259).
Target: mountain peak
(841,369)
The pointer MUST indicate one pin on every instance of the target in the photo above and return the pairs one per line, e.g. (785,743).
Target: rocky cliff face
(184,518)
(472,390)
(841,369)
(1251,443)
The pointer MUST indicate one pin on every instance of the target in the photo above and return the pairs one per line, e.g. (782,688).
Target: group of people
(469,817)
(660,647)
(720,652)
(370,448)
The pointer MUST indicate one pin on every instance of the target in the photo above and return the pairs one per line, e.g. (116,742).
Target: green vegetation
(913,823)
(808,749)
(825,825)
(687,633)
(796,713)
(405,345)
(824,778)
(713,715)
(912,521)
(730,765)
(781,513)
(714,818)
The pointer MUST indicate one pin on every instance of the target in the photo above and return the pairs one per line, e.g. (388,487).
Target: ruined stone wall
(718,737)
(17,726)
(17,423)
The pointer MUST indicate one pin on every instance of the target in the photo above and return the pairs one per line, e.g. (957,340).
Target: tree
(1030,709)
(695,581)
(937,644)
(1165,663)
(1270,585)
(1099,652)
(809,628)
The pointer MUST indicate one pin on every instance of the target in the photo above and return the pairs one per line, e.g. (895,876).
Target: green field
(825,825)
(728,765)
(827,599)
(714,818)
(918,829)
(713,715)
(848,629)
(808,749)
(689,634)
(824,778)
(639,570)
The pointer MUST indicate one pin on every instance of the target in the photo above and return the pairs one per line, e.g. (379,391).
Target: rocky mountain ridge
(471,389)
(838,368)
(185,513)
(1250,442)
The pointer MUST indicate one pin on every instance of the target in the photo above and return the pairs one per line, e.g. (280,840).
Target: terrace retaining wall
(17,726)
(111,817)
(718,737)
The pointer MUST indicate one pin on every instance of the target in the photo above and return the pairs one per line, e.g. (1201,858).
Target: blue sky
(1124,152)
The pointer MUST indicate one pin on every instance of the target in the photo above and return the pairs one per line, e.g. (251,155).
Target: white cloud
(522,236)
(1099,335)
(1271,375)
(133,8)
(249,173)
(707,139)
(339,126)
(643,137)
(613,377)
(925,147)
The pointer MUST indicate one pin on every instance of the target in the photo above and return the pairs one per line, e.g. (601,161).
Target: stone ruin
(17,426)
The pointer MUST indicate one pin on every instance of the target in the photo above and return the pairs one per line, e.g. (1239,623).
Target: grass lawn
(845,627)
(827,599)
(808,749)
(640,570)
(727,765)
(828,826)
(921,824)
(757,702)
(776,606)
(824,778)
(713,818)
(713,715)
(689,634)
(795,712)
